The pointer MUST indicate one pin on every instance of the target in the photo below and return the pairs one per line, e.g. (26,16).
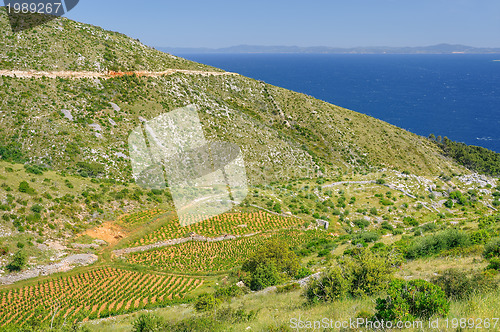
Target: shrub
(386,202)
(494,264)
(460,285)
(332,285)
(3,251)
(34,169)
(303,272)
(380,181)
(323,252)
(397,231)
(270,265)
(436,243)
(429,227)
(368,272)
(492,248)
(147,323)
(206,302)
(265,276)
(480,237)
(361,273)
(37,208)
(409,300)
(361,223)
(365,237)
(90,169)
(386,225)
(228,292)
(24,187)
(18,261)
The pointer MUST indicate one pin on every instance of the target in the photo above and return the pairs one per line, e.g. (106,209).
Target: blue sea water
(454,95)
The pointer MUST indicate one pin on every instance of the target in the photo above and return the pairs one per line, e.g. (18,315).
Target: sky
(334,23)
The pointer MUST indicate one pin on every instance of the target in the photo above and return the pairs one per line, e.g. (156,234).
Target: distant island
(434,49)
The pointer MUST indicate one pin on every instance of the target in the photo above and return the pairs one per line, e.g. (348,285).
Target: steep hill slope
(62,122)
(63,44)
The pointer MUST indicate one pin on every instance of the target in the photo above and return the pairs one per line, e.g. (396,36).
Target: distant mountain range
(434,49)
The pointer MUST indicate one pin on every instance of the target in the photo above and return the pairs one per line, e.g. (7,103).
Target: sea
(452,95)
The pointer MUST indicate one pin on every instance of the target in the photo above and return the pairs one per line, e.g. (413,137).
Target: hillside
(279,131)
(63,44)
(85,242)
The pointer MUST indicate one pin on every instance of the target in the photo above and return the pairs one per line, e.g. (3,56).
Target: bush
(480,237)
(361,273)
(494,264)
(206,302)
(18,261)
(34,169)
(433,244)
(265,276)
(37,208)
(386,225)
(3,251)
(147,323)
(448,203)
(90,169)
(361,223)
(365,237)
(24,187)
(492,248)
(332,285)
(409,300)
(368,272)
(303,272)
(460,285)
(397,231)
(228,292)
(270,265)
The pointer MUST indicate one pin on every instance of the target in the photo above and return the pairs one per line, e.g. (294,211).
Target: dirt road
(111,74)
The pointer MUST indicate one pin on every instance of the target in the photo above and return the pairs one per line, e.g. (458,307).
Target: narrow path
(107,75)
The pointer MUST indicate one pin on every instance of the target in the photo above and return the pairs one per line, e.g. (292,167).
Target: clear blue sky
(342,23)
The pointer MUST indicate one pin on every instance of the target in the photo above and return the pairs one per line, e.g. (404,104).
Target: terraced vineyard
(218,256)
(229,223)
(92,294)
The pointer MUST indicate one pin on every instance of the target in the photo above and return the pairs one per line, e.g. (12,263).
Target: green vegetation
(410,300)
(270,265)
(395,206)
(360,274)
(18,261)
(475,158)
(459,285)
(434,244)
